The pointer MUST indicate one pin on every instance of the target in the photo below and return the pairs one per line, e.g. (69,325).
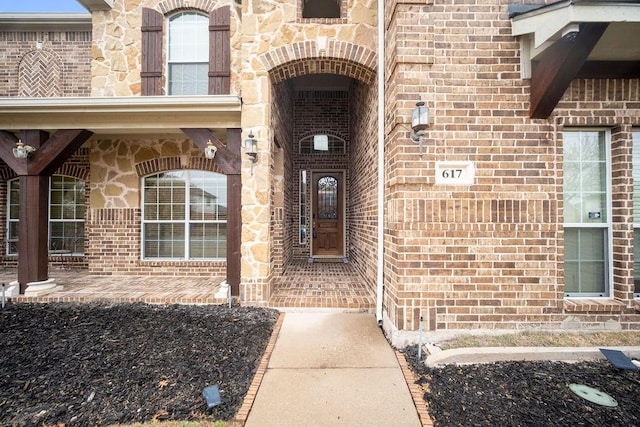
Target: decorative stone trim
(340,57)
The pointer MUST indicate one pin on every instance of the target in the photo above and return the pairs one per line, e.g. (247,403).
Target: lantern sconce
(210,150)
(419,122)
(251,148)
(22,151)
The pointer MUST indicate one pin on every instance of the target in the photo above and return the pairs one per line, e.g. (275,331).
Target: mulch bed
(100,364)
(526,393)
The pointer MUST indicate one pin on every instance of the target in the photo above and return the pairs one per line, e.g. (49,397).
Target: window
(322,144)
(321,8)
(586,214)
(66,215)
(303,207)
(198,53)
(188,58)
(636,214)
(185,216)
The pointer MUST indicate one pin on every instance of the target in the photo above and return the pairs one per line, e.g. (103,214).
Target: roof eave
(121,115)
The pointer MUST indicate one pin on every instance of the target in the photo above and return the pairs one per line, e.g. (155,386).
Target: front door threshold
(328,258)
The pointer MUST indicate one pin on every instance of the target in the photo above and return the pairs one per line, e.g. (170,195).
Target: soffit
(542,26)
(573,39)
(121,115)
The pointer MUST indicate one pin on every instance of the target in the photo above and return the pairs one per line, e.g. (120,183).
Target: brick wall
(490,254)
(363,170)
(62,67)
(316,112)
(281,214)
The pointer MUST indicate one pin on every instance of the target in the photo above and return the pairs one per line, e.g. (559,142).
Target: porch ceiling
(121,115)
(573,39)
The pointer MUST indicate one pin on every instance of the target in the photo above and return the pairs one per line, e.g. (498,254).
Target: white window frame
(186,221)
(635,142)
(11,248)
(608,288)
(170,61)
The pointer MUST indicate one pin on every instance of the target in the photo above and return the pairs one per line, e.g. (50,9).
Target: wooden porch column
(34,172)
(228,160)
(33,230)
(234,215)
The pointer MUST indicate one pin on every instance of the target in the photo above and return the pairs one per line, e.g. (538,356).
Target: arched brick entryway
(300,110)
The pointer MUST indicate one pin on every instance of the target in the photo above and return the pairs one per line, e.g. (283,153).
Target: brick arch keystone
(299,59)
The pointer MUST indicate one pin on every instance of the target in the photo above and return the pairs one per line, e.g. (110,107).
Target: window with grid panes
(66,215)
(188,58)
(185,215)
(586,214)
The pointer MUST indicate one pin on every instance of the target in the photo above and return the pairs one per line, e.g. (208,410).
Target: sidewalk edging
(417,392)
(243,412)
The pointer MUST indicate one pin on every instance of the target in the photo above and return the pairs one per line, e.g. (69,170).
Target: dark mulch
(527,393)
(99,364)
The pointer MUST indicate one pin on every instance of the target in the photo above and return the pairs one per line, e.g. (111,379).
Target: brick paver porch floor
(80,286)
(321,285)
(303,285)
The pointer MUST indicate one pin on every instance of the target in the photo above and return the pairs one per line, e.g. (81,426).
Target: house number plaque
(455,173)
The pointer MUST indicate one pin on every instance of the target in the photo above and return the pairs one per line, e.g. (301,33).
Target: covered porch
(303,285)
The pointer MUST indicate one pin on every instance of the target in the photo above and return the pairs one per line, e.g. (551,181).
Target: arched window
(188,58)
(66,215)
(322,144)
(184,215)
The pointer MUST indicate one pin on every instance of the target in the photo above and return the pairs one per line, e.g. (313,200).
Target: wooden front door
(328,216)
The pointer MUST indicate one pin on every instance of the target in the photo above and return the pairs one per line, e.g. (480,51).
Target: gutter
(381,170)
(43,21)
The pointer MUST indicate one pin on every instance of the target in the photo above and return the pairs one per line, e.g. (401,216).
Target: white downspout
(381,171)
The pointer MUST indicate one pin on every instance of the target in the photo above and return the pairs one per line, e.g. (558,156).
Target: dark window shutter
(151,73)
(220,51)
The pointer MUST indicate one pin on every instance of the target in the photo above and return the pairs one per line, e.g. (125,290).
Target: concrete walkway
(331,369)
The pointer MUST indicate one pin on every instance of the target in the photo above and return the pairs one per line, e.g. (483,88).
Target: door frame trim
(344,211)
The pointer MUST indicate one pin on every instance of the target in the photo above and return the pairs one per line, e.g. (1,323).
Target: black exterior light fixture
(419,122)
(251,148)
(210,150)
(22,151)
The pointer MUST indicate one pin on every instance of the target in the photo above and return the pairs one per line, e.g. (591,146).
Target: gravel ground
(526,393)
(100,364)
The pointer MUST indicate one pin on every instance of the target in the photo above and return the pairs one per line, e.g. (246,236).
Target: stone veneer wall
(276,46)
(114,215)
(117,48)
(489,255)
(363,170)
(60,68)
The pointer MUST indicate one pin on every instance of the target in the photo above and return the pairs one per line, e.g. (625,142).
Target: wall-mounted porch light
(251,148)
(419,122)
(210,150)
(22,151)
